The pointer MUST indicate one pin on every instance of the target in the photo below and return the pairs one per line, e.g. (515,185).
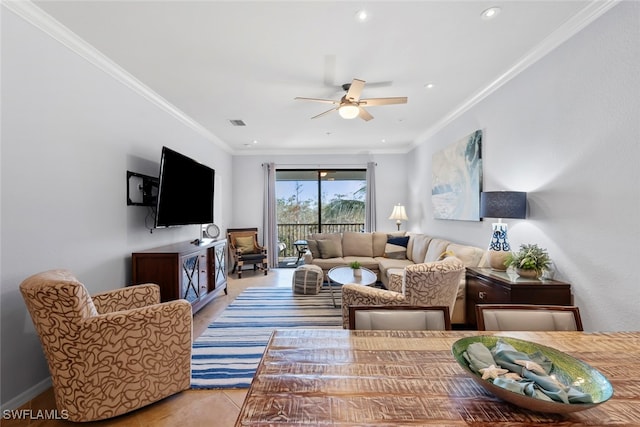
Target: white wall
(391,182)
(69,134)
(566,131)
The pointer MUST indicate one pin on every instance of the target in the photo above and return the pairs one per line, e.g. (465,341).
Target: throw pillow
(328,249)
(313,247)
(396,247)
(245,244)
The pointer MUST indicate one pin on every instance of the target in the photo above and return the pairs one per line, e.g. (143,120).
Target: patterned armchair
(428,284)
(112,353)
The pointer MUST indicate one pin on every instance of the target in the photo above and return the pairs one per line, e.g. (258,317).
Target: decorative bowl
(567,369)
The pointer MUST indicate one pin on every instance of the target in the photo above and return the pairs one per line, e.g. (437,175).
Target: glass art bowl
(567,369)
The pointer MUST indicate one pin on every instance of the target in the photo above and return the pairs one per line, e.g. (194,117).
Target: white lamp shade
(399,213)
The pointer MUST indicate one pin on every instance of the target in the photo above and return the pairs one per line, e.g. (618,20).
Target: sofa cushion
(435,250)
(312,245)
(396,247)
(469,255)
(417,248)
(379,243)
(329,249)
(337,237)
(357,244)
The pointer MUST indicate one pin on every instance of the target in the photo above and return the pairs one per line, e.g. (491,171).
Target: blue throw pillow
(396,247)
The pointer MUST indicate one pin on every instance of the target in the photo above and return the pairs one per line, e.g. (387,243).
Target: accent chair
(111,353)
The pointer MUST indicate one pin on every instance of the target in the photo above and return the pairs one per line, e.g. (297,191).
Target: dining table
(334,377)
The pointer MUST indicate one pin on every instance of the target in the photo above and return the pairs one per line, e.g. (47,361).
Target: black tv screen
(185,192)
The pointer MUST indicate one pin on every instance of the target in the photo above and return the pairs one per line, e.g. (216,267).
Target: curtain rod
(298,165)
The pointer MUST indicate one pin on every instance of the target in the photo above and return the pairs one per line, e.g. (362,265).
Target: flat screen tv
(185,191)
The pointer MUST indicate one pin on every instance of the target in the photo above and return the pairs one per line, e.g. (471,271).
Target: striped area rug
(227,354)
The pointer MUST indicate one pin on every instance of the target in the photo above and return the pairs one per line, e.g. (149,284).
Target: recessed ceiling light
(255,141)
(384,140)
(490,13)
(362,15)
(428,86)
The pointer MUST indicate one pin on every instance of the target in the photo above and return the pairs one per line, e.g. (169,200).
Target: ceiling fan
(351,106)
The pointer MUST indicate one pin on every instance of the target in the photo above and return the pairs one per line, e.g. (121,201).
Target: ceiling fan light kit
(349,111)
(351,106)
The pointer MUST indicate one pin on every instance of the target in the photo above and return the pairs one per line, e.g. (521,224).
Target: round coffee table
(343,275)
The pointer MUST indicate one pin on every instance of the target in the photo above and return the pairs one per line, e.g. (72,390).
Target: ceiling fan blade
(383,101)
(324,101)
(326,112)
(364,115)
(355,89)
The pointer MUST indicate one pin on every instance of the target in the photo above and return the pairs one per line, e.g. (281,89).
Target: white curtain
(370,201)
(269,225)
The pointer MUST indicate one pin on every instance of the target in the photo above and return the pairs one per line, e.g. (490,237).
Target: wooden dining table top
(394,378)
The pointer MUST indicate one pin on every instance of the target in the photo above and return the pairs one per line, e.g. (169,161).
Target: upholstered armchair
(428,284)
(112,353)
(244,248)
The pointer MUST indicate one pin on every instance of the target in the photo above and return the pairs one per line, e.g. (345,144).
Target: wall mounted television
(185,191)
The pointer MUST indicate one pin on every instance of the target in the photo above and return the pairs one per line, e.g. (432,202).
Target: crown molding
(586,16)
(46,23)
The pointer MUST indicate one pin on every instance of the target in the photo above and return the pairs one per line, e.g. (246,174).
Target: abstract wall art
(457,179)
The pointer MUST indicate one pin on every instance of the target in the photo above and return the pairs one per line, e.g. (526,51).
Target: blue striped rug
(227,354)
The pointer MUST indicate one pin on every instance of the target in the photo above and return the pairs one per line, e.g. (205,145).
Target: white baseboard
(27,395)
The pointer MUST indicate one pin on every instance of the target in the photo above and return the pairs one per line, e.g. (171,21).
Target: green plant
(529,257)
(355,264)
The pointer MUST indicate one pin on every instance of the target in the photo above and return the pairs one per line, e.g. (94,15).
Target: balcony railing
(289,233)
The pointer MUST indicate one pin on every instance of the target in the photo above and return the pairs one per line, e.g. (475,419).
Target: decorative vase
(528,274)
(357,272)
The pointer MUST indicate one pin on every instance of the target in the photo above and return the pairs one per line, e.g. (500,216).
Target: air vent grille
(237,122)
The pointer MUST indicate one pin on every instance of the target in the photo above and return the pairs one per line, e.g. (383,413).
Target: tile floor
(190,408)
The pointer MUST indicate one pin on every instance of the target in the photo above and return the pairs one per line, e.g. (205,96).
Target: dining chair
(399,317)
(528,317)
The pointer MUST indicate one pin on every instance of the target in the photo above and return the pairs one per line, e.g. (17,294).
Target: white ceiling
(222,60)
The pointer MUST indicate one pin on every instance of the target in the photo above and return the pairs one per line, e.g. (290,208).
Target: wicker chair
(244,249)
(113,353)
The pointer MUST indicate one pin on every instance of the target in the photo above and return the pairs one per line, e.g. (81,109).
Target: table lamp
(399,214)
(501,204)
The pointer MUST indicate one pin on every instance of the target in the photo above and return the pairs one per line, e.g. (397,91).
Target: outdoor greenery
(297,216)
(340,209)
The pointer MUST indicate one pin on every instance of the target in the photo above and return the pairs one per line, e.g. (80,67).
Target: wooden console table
(329,377)
(487,286)
(196,273)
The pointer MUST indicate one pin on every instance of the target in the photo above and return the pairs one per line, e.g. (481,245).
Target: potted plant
(356,266)
(529,261)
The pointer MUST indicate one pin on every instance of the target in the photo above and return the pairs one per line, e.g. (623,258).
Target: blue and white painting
(457,180)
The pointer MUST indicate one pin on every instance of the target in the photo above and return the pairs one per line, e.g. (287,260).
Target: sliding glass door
(312,201)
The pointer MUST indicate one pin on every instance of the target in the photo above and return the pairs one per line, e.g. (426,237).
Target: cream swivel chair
(514,317)
(399,318)
(429,284)
(113,353)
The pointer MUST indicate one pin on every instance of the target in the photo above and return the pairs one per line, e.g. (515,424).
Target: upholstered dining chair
(429,284)
(111,353)
(244,249)
(399,317)
(527,317)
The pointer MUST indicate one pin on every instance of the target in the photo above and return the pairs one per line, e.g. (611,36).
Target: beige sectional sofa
(328,250)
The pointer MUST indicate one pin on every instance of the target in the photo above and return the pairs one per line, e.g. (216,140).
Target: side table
(488,286)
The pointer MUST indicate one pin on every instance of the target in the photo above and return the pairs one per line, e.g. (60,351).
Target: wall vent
(237,122)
